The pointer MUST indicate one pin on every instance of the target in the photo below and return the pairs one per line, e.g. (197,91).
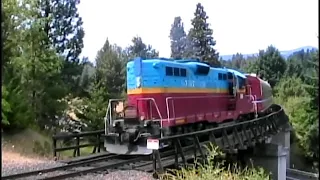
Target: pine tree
(238,61)
(270,65)
(297,63)
(311,137)
(31,67)
(97,105)
(63,27)
(312,80)
(108,82)
(178,39)
(110,64)
(140,49)
(86,77)
(201,40)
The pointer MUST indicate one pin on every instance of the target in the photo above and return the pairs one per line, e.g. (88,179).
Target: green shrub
(213,170)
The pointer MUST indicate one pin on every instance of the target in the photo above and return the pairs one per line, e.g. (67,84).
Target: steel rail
(95,169)
(297,174)
(63,167)
(166,154)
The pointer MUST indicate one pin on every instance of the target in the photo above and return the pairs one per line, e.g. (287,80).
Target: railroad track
(294,174)
(109,159)
(104,163)
(95,169)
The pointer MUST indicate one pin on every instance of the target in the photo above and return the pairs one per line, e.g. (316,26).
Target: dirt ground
(23,144)
(10,157)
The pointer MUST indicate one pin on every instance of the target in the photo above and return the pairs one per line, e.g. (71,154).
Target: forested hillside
(44,77)
(285,54)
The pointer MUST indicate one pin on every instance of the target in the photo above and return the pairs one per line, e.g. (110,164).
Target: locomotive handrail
(218,128)
(263,100)
(152,99)
(108,111)
(253,104)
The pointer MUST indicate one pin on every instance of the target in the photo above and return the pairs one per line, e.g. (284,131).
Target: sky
(243,26)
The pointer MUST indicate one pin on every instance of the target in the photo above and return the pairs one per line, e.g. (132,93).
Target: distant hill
(285,54)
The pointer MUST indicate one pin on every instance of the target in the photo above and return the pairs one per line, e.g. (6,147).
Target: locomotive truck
(167,97)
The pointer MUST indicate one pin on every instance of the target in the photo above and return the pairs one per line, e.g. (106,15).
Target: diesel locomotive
(167,97)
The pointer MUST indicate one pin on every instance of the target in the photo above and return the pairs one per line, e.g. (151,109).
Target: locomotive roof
(237,73)
(192,61)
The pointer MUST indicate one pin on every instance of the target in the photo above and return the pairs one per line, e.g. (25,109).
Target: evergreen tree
(64,30)
(312,80)
(238,61)
(110,65)
(178,39)
(86,77)
(64,27)
(189,50)
(97,105)
(108,82)
(31,67)
(140,49)
(270,65)
(297,64)
(201,40)
(312,87)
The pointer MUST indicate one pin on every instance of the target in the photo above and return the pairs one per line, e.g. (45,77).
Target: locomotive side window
(173,71)
(169,71)
(224,76)
(202,70)
(219,76)
(176,72)
(183,72)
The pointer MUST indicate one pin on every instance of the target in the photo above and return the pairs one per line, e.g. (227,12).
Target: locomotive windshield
(241,82)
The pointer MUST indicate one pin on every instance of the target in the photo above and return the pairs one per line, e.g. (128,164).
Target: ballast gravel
(13,163)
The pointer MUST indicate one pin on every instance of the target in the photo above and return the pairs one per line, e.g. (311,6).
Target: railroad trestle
(228,138)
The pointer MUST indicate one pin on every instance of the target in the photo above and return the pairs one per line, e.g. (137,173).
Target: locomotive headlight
(138,82)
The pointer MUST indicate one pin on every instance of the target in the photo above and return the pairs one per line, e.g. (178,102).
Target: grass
(85,151)
(213,170)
